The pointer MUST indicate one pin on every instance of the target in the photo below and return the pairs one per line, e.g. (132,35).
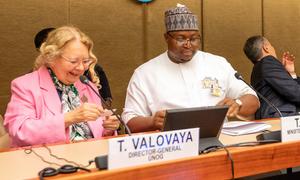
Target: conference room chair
(4,137)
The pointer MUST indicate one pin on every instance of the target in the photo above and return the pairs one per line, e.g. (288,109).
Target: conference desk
(15,164)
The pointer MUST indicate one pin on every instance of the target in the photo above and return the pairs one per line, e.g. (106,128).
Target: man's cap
(180,18)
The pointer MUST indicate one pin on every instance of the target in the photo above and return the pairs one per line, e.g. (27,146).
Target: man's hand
(234,107)
(288,61)
(158,119)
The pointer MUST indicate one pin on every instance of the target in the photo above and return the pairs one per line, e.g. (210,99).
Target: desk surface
(247,161)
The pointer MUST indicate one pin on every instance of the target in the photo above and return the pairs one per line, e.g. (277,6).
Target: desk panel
(216,165)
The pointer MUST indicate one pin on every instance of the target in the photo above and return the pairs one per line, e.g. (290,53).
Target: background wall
(127,33)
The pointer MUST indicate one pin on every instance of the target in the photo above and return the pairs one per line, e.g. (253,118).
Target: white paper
(106,112)
(235,128)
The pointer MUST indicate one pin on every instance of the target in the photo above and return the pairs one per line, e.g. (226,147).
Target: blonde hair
(55,42)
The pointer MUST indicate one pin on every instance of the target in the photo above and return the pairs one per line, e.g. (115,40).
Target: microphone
(238,76)
(85,80)
(273,135)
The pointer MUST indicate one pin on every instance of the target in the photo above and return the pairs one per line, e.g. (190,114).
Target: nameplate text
(142,149)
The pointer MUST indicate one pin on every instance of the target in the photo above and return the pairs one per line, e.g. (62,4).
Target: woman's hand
(110,124)
(85,112)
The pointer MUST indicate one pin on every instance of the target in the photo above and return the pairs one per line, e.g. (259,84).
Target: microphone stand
(84,80)
(273,135)
(239,77)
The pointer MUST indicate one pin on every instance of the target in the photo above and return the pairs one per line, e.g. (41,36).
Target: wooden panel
(216,165)
(20,21)
(155,23)
(282,26)
(116,30)
(4,100)
(122,44)
(248,161)
(226,28)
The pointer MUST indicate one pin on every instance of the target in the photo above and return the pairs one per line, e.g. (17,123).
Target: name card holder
(142,149)
(290,128)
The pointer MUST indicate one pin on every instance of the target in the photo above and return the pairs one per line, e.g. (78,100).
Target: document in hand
(236,128)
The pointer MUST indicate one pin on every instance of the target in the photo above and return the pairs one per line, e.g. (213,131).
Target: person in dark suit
(104,88)
(274,79)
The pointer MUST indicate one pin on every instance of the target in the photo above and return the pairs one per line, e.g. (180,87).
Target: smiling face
(72,63)
(182,45)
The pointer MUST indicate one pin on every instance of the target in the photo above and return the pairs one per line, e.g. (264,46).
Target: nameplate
(290,128)
(155,147)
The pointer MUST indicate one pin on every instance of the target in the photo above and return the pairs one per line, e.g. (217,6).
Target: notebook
(210,119)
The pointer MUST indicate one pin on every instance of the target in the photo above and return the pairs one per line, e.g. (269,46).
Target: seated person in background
(41,37)
(183,77)
(50,104)
(104,89)
(275,80)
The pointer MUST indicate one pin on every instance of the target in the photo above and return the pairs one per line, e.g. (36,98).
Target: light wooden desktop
(216,165)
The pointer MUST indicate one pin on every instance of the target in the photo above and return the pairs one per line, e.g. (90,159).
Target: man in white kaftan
(182,77)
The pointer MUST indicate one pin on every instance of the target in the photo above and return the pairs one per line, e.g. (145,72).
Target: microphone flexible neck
(238,76)
(84,80)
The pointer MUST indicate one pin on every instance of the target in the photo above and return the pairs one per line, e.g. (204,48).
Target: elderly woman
(51,104)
